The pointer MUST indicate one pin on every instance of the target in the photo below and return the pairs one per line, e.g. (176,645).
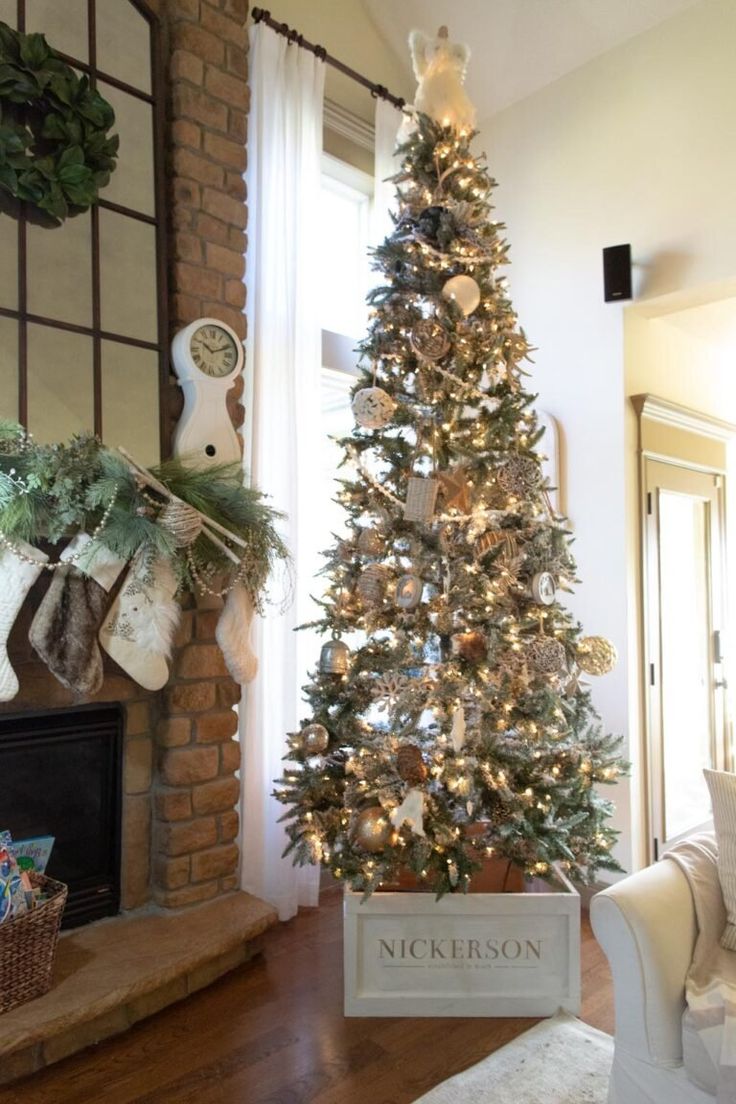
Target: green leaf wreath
(47,492)
(55,149)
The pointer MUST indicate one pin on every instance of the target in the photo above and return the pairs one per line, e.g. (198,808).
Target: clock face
(213,351)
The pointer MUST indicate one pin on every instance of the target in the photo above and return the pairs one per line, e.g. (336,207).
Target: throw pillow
(722,786)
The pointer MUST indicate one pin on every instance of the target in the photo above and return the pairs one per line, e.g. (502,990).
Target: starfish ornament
(455,488)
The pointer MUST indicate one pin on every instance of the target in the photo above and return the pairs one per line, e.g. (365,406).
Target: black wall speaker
(617,272)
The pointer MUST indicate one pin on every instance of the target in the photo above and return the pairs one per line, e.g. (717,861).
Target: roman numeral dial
(213,351)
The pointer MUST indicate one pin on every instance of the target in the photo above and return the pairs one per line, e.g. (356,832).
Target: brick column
(209,99)
(195,821)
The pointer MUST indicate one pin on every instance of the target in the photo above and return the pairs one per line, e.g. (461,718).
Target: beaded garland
(73,557)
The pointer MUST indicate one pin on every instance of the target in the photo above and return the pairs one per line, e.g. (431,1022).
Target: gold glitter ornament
(314,739)
(429,339)
(371,830)
(596,655)
(182,521)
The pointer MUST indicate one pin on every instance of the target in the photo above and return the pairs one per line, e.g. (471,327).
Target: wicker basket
(28,946)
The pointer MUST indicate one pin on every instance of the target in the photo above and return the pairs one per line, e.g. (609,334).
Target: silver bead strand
(11,546)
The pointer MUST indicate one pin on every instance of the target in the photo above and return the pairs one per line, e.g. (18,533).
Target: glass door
(687,724)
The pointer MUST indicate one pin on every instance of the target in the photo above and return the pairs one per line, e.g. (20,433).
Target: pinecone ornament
(410,765)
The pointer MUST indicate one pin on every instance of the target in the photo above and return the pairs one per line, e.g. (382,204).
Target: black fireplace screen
(60,775)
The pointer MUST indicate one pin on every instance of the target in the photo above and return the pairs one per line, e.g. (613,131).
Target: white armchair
(646,925)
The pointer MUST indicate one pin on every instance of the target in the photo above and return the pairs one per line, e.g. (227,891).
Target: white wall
(638,146)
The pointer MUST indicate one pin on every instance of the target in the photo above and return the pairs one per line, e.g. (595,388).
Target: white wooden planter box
(475,954)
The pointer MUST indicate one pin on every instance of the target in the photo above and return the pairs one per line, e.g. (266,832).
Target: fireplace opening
(60,773)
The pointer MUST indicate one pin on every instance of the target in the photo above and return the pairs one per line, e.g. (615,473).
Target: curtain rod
(262,16)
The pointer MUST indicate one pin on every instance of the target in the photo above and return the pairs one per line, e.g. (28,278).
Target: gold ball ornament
(545,655)
(372,830)
(314,739)
(182,521)
(429,339)
(596,655)
(373,407)
(464,291)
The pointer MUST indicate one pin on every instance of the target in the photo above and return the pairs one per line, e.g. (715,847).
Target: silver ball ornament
(314,739)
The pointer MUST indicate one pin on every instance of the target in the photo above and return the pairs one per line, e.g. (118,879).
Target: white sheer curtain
(284,360)
(387,122)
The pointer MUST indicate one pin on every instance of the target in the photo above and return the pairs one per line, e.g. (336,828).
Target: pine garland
(47,492)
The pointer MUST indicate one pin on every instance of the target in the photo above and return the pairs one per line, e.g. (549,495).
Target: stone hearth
(113,973)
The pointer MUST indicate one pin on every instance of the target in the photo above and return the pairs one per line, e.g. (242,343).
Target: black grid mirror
(83,336)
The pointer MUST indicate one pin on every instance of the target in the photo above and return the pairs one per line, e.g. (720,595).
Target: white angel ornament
(440,67)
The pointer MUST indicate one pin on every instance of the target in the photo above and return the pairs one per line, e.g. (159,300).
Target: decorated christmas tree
(448,720)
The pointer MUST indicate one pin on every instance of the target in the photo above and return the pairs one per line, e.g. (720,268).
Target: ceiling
(714,323)
(519,46)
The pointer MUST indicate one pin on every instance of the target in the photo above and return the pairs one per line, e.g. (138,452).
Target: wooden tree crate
(474,954)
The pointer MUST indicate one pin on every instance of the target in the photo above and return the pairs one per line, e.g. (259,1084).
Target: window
(83,341)
(345,213)
(344,272)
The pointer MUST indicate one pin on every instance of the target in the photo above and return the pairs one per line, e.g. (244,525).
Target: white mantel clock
(208,357)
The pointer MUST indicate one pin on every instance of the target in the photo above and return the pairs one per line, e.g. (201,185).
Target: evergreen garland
(47,492)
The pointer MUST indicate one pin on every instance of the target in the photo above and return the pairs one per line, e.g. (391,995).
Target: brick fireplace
(180,786)
(181,754)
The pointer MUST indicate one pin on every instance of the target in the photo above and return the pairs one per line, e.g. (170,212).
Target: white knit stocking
(233,635)
(138,630)
(16,579)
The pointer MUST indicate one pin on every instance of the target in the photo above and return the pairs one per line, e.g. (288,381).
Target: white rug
(559,1061)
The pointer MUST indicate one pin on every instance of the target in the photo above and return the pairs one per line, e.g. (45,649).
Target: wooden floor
(273,1032)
